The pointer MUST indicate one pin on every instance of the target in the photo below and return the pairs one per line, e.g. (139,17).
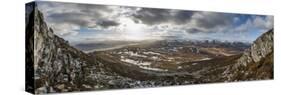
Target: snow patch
(153,69)
(154,57)
(134,54)
(179,67)
(153,53)
(139,63)
(206,59)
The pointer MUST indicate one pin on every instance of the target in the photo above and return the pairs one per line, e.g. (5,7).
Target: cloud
(107,23)
(152,16)
(211,20)
(183,17)
(263,22)
(71,20)
(59,15)
(189,21)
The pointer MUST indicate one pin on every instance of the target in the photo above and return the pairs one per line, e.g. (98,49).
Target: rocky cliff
(256,62)
(57,66)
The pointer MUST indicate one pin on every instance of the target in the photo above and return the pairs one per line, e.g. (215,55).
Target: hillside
(257,62)
(57,66)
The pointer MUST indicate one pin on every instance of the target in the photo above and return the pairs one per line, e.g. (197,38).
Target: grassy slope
(257,71)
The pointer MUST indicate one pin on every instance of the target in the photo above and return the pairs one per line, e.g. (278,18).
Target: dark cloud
(182,17)
(193,30)
(152,16)
(107,23)
(210,20)
(204,20)
(93,9)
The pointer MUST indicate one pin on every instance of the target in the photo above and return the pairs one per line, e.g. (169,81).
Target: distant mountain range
(108,45)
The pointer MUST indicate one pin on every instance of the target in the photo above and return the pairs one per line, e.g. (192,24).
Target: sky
(88,23)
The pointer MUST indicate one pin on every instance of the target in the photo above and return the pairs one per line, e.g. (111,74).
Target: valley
(167,60)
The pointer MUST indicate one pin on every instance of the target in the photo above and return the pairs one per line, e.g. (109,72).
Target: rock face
(57,66)
(256,62)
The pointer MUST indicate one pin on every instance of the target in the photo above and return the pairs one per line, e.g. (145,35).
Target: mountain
(256,63)
(56,64)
